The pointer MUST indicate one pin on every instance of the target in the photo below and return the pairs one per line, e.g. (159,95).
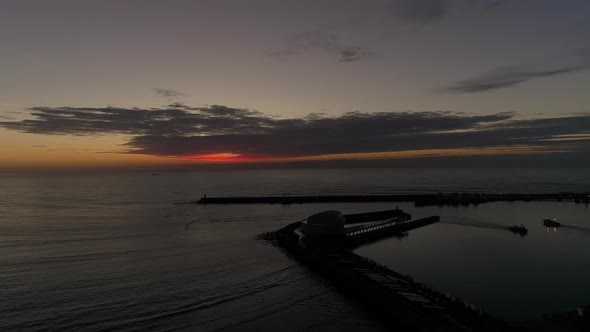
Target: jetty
(418,199)
(356,236)
(323,241)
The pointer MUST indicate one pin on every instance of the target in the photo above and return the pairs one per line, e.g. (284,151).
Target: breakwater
(398,300)
(419,200)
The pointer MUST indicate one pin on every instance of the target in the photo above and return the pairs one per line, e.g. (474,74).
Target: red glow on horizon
(221,157)
(230,157)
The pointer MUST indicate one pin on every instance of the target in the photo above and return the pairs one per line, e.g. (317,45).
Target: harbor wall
(419,200)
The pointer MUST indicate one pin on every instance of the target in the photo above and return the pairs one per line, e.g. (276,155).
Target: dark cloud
(421,11)
(175,120)
(308,141)
(180,130)
(507,77)
(38,146)
(168,94)
(324,41)
(353,53)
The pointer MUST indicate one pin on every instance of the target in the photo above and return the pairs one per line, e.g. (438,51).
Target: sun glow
(222,156)
(457,152)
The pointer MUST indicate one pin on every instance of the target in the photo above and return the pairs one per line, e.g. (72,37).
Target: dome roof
(325,224)
(330,217)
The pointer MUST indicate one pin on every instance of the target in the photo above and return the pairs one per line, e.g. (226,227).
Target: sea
(130,251)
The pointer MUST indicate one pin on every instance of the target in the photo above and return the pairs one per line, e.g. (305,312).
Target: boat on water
(518,229)
(551,222)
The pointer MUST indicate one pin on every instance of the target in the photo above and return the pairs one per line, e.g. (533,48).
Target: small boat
(551,222)
(518,229)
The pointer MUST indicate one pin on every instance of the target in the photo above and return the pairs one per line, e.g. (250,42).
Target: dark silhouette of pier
(370,233)
(398,300)
(454,199)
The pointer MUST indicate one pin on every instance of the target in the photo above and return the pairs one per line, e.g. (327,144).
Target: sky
(179,83)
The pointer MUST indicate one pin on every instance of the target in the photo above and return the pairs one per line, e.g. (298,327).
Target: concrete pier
(399,301)
(356,237)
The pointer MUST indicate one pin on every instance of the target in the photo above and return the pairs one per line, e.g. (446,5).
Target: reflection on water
(453,220)
(577,228)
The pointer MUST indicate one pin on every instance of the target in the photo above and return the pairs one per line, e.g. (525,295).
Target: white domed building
(327,224)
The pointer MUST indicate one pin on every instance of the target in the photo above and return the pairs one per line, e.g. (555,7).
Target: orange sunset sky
(149,85)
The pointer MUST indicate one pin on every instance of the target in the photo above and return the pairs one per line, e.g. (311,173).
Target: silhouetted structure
(321,241)
(454,199)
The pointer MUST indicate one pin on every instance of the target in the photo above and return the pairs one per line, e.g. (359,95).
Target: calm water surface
(124,251)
